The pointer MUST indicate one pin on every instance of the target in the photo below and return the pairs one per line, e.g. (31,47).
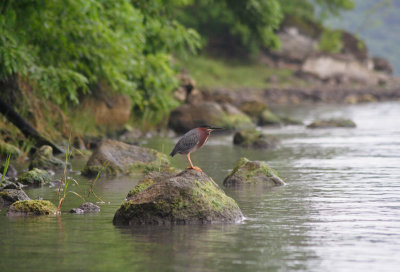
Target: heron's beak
(215,128)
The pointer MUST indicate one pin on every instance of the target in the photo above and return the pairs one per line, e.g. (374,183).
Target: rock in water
(43,158)
(190,197)
(254,139)
(87,207)
(121,158)
(31,207)
(252,172)
(36,177)
(9,196)
(331,123)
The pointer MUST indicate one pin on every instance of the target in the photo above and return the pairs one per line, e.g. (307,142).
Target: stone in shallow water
(254,139)
(43,158)
(31,207)
(9,196)
(36,177)
(189,197)
(252,172)
(87,207)
(331,123)
(116,157)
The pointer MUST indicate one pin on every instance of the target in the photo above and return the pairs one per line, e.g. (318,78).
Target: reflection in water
(340,209)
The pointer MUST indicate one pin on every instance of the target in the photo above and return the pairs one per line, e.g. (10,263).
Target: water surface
(340,210)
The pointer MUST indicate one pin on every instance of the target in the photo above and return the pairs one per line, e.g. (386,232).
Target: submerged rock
(36,177)
(116,157)
(43,158)
(252,172)
(339,122)
(9,196)
(87,207)
(255,139)
(189,197)
(31,207)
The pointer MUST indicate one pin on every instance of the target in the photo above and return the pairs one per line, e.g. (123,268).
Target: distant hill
(376,22)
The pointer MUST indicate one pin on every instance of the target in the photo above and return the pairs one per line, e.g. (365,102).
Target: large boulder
(9,196)
(253,172)
(332,123)
(35,177)
(255,139)
(43,158)
(189,116)
(114,157)
(31,207)
(339,68)
(189,197)
(253,108)
(295,45)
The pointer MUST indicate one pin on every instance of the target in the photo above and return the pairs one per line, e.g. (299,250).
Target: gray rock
(11,171)
(332,123)
(114,158)
(9,196)
(189,116)
(189,197)
(87,207)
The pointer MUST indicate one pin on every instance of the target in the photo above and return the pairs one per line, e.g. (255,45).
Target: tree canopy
(65,47)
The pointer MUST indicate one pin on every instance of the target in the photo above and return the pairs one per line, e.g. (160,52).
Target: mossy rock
(332,123)
(31,207)
(234,121)
(6,149)
(253,108)
(9,196)
(253,172)
(43,158)
(254,138)
(268,118)
(36,177)
(189,197)
(115,158)
(188,116)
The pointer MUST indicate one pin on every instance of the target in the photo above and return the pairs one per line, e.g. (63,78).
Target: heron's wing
(187,143)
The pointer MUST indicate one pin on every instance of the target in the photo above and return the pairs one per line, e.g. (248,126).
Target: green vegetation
(331,41)
(234,75)
(6,165)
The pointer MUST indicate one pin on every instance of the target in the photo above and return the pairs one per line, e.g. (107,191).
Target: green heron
(191,141)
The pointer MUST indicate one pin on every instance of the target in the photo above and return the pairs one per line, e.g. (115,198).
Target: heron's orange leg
(191,164)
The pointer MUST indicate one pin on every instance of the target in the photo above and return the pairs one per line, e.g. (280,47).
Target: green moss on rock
(36,177)
(6,149)
(189,197)
(268,118)
(255,139)
(331,123)
(43,158)
(253,172)
(31,207)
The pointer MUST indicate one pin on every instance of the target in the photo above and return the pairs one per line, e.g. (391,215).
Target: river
(340,209)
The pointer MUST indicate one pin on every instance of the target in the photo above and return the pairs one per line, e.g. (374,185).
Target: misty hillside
(378,23)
